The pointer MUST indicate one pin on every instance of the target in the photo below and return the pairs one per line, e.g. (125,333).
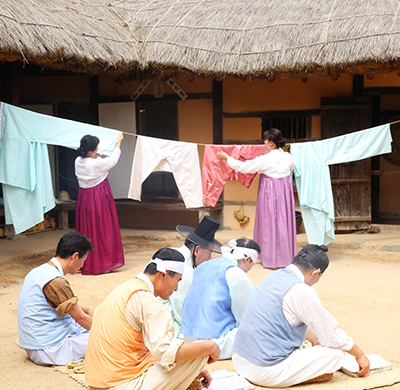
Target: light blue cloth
(313,177)
(206,310)
(24,161)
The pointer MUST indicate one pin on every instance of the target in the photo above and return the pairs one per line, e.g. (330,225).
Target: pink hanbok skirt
(96,217)
(275,222)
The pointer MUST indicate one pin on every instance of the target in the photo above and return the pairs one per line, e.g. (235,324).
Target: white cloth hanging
(180,158)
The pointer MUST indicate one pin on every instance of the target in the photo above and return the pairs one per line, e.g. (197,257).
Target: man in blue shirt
(199,245)
(53,327)
(218,295)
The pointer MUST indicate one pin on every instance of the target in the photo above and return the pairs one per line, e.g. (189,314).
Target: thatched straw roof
(83,36)
(259,38)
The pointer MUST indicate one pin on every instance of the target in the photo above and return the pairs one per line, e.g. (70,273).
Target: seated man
(132,344)
(284,310)
(199,244)
(218,295)
(53,328)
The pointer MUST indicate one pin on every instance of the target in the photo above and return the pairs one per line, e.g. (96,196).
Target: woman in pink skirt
(275,223)
(96,215)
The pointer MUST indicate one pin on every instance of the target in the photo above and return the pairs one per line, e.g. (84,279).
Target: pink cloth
(216,172)
(96,217)
(275,222)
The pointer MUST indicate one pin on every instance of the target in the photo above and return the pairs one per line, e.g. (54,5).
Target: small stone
(353,245)
(368,245)
(391,248)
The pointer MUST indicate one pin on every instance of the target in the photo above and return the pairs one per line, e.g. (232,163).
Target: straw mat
(69,370)
(339,380)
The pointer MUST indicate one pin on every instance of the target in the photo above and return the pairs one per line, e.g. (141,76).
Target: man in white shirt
(199,245)
(285,310)
(218,296)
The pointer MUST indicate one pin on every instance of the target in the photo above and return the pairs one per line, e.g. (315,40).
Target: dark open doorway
(159,118)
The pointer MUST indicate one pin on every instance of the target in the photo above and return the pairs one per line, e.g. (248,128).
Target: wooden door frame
(359,214)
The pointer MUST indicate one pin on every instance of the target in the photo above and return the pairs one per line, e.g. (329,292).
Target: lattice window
(292,127)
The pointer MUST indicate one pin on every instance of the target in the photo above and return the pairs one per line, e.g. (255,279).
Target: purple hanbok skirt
(96,217)
(275,223)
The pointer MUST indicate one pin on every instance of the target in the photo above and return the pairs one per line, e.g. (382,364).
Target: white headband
(164,265)
(238,252)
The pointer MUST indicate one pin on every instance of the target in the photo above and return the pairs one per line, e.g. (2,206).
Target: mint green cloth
(24,161)
(313,180)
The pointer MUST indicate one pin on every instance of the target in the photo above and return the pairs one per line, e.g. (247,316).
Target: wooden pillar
(10,94)
(10,83)
(63,219)
(94,100)
(375,164)
(217,112)
(358,85)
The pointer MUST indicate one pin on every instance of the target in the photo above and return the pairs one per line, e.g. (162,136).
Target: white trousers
(179,378)
(224,342)
(300,366)
(73,347)
(180,158)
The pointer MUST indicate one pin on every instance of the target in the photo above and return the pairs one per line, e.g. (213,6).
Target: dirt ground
(360,287)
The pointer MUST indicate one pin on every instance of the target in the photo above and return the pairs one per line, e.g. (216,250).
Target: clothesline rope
(136,135)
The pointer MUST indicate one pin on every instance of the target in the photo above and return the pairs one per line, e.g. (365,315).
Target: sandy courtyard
(360,287)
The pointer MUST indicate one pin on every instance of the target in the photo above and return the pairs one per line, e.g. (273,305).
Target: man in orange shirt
(131,342)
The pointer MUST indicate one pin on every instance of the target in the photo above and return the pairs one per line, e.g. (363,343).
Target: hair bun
(324,248)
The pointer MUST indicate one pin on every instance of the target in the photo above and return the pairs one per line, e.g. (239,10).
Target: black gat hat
(204,234)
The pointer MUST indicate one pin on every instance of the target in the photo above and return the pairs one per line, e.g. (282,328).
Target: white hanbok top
(92,171)
(275,164)
(301,304)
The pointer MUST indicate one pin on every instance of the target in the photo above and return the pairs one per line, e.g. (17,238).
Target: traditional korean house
(216,72)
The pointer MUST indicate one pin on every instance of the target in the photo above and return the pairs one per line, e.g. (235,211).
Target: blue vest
(206,310)
(39,325)
(265,337)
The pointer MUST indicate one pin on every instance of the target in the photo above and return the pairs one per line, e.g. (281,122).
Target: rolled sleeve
(59,295)
(167,360)
(63,309)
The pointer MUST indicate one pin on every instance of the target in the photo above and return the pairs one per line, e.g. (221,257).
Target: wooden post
(375,164)
(10,83)
(10,94)
(358,85)
(94,100)
(217,112)
(63,219)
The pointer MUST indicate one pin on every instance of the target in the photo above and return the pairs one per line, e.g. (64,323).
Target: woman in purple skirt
(275,223)
(96,215)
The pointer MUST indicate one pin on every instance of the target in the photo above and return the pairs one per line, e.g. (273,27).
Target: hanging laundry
(217,172)
(313,177)
(24,161)
(180,158)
